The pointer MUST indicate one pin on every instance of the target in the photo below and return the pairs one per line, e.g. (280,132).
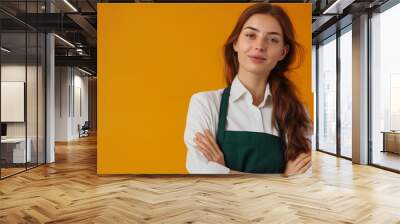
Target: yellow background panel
(151,59)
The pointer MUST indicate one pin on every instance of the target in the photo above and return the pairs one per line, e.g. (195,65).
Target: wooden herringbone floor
(69,191)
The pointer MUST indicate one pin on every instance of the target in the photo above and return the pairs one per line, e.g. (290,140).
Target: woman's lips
(257,59)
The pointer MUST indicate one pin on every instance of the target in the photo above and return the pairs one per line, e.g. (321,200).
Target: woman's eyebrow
(252,28)
(257,30)
(274,33)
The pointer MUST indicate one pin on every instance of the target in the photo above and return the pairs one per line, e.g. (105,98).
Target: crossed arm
(207,145)
(203,154)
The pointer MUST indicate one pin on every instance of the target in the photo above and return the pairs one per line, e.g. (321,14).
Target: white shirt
(242,116)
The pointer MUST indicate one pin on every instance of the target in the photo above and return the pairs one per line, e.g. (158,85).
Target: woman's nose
(260,48)
(259,45)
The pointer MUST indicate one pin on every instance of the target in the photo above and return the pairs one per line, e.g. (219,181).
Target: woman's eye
(273,40)
(250,35)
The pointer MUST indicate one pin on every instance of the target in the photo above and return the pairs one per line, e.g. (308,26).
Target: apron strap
(223,111)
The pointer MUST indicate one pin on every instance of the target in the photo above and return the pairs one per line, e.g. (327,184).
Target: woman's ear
(284,52)
(234,46)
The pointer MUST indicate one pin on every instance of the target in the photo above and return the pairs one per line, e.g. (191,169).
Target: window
(385,89)
(327,96)
(346,93)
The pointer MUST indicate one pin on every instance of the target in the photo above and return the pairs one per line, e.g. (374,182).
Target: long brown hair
(289,114)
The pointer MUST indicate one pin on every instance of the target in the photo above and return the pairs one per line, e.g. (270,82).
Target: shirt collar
(238,90)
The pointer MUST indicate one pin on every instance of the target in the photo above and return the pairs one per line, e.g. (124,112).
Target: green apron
(250,152)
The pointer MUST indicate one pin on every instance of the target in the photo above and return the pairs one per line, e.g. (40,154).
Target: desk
(391,141)
(15,148)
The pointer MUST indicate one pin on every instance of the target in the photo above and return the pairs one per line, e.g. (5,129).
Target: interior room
(54,98)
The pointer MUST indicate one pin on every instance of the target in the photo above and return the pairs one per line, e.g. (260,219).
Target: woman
(257,124)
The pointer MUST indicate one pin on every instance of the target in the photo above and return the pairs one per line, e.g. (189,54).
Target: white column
(50,100)
(360,90)
(50,92)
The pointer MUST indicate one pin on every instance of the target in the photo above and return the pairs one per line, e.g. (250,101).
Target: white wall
(62,78)
(16,73)
(80,118)
(12,101)
(71,87)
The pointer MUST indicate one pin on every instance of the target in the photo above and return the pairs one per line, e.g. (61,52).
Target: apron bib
(250,152)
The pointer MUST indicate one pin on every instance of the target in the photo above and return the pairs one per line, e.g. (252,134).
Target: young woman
(257,124)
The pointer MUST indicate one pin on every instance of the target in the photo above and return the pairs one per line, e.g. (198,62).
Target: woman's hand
(298,166)
(209,147)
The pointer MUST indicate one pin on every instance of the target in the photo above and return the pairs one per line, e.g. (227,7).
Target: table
(15,148)
(391,141)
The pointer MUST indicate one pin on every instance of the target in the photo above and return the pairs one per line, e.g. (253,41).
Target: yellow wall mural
(151,59)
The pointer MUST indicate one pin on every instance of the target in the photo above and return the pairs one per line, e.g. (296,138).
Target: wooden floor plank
(70,191)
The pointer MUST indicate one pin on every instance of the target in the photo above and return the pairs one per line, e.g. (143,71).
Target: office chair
(84,130)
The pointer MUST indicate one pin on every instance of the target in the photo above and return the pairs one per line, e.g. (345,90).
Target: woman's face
(260,45)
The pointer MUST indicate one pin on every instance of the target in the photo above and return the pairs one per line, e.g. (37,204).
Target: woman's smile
(257,59)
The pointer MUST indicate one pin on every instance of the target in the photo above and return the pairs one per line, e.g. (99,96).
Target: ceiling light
(5,50)
(64,40)
(84,71)
(337,7)
(70,5)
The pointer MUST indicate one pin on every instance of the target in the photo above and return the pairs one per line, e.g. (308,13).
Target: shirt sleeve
(199,118)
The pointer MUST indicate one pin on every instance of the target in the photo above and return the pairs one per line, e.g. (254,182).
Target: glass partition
(327,95)
(14,153)
(22,63)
